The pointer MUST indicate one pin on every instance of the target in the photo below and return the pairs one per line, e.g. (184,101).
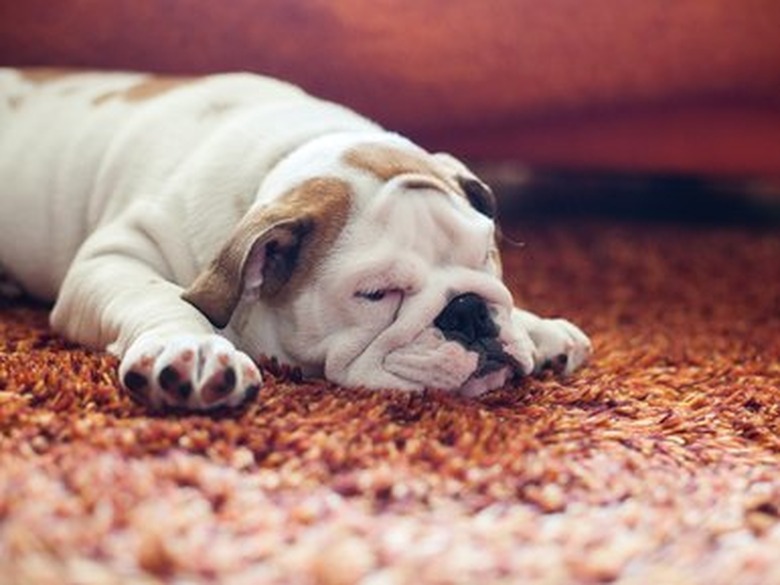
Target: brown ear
(254,263)
(270,247)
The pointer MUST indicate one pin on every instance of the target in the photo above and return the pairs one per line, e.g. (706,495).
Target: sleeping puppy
(192,225)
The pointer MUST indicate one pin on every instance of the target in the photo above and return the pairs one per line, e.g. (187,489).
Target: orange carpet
(657,463)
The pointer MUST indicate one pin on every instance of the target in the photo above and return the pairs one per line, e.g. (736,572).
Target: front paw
(561,346)
(188,372)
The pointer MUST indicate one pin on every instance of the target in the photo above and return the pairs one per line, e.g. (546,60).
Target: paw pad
(137,386)
(252,392)
(219,386)
(174,383)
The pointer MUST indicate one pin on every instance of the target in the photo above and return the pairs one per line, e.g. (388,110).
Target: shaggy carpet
(657,463)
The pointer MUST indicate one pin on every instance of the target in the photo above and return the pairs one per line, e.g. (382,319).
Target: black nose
(466,318)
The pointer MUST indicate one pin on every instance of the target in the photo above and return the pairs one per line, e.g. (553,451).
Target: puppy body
(191,225)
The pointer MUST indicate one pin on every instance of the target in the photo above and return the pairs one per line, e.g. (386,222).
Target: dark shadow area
(639,197)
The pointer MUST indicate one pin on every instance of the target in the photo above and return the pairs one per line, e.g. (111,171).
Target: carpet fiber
(657,463)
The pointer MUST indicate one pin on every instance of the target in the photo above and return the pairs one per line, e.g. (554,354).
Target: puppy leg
(559,344)
(118,295)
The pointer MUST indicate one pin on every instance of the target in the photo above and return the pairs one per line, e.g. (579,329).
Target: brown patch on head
(386,162)
(47,74)
(273,250)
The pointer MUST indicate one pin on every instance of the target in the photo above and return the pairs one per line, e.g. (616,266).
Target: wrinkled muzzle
(470,347)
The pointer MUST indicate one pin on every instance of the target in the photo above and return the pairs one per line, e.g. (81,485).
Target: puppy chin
(477,386)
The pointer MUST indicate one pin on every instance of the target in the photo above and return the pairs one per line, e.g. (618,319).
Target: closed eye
(372,295)
(376,295)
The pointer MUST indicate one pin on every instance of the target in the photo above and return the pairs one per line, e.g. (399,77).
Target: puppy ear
(479,195)
(254,263)
(270,247)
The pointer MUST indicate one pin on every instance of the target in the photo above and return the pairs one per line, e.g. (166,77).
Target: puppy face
(376,267)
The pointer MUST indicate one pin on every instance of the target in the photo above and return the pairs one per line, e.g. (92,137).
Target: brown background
(660,86)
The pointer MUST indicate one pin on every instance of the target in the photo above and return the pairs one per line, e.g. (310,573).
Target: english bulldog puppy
(192,225)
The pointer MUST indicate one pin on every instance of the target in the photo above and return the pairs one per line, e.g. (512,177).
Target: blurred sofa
(690,86)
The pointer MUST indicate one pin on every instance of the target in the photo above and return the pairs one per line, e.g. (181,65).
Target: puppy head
(376,267)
